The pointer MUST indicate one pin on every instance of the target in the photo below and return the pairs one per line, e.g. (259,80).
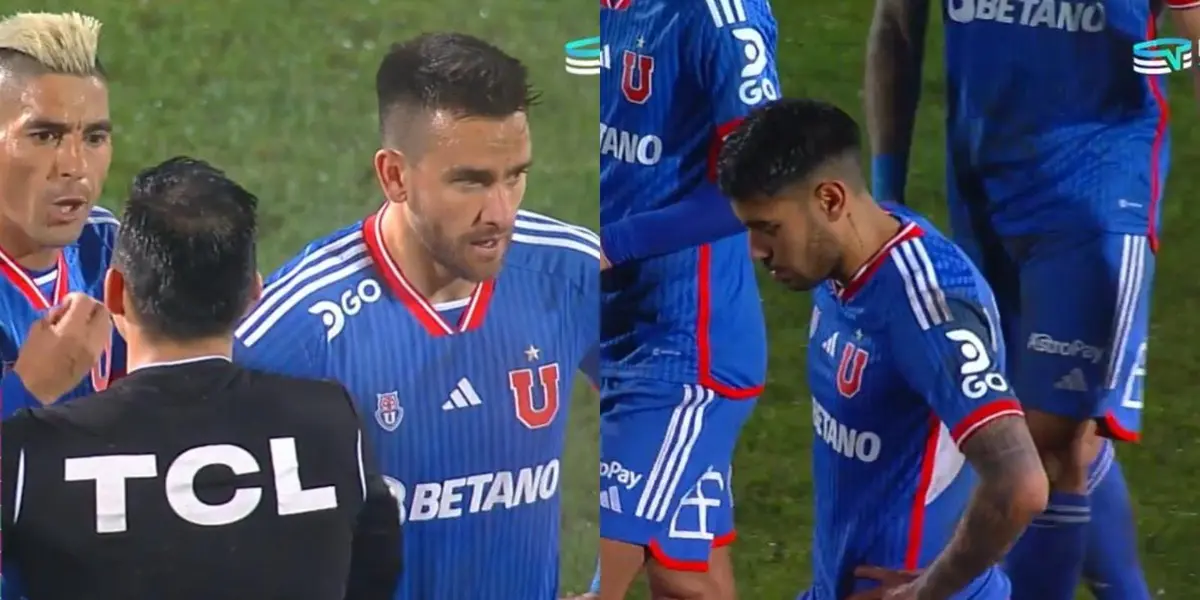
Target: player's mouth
(488,248)
(68,209)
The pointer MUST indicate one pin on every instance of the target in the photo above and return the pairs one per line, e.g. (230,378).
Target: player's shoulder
(337,250)
(732,14)
(552,246)
(321,269)
(103,219)
(100,231)
(931,273)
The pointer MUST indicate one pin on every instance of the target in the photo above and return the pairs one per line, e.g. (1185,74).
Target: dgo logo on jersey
(757,84)
(333,314)
(388,412)
(978,378)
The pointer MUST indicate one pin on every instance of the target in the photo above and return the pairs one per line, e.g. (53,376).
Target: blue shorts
(665,470)
(1075,309)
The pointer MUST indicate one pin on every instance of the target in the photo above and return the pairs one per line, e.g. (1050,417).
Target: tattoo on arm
(1011,480)
(895,51)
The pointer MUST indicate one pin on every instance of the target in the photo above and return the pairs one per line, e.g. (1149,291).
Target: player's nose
(759,251)
(500,206)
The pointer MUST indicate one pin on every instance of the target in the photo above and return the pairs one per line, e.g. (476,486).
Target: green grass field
(280,94)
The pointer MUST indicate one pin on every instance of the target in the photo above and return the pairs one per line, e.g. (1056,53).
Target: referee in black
(192,477)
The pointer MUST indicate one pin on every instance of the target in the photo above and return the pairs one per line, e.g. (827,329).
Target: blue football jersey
(26,296)
(466,402)
(905,362)
(1094,160)
(679,75)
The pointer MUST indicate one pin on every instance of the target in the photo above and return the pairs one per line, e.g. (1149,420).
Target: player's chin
(59,235)
(793,281)
(483,262)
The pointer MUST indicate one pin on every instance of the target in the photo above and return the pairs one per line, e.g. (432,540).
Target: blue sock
(1047,561)
(1111,568)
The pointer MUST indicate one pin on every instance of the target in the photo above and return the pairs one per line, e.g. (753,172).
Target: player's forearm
(895,53)
(1013,489)
(701,217)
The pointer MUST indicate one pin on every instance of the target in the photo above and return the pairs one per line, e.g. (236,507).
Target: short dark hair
(784,143)
(186,249)
(451,72)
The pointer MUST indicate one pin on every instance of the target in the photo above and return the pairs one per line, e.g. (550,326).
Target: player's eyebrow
(485,175)
(103,125)
(521,168)
(474,174)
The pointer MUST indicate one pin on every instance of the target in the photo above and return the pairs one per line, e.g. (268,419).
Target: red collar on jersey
(615,4)
(860,278)
(420,307)
(19,278)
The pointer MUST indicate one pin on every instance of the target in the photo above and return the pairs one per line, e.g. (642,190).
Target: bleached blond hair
(63,43)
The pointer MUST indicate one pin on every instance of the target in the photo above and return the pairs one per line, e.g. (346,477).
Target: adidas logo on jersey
(1073,381)
(830,345)
(463,396)
(610,499)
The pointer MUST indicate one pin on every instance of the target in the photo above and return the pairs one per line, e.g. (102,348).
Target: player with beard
(456,320)
(922,461)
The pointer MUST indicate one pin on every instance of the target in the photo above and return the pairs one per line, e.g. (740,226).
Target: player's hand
(604,264)
(893,584)
(63,346)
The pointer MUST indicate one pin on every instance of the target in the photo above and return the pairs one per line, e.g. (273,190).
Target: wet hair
(452,72)
(785,143)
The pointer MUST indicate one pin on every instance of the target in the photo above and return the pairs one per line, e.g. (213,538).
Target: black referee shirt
(198,480)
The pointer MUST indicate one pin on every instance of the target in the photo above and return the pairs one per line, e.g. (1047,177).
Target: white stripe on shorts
(1129,293)
(687,422)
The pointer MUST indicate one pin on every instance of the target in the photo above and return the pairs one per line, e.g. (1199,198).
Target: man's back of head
(184,266)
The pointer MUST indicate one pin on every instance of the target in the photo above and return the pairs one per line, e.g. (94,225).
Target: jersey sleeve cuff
(1183,4)
(980,417)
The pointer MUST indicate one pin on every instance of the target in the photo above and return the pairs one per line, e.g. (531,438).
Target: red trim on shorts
(1110,427)
(724,540)
(674,564)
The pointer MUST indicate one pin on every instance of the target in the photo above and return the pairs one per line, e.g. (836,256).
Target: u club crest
(637,76)
(388,412)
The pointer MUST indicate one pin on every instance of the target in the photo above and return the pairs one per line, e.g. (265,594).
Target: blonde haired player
(55,244)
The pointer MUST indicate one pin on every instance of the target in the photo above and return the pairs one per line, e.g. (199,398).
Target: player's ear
(831,197)
(389,170)
(114,300)
(256,293)
(114,292)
